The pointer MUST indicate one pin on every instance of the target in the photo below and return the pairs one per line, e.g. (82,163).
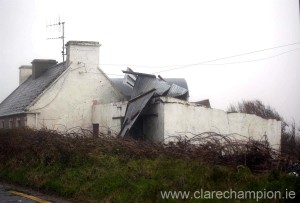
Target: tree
(256,107)
(290,144)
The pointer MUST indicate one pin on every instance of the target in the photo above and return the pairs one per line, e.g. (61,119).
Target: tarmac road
(15,194)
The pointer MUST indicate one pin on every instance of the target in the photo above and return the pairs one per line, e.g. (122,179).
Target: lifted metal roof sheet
(144,84)
(134,109)
(126,90)
(177,91)
(145,87)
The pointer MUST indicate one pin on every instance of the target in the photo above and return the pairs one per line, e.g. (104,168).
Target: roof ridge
(25,93)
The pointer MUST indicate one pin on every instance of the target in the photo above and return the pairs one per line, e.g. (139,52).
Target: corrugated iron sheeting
(145,87)
(126,90)
(177,92)
(144,84)
(134,109)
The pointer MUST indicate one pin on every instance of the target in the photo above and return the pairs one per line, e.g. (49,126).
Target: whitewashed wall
(68,102)
(154,125)
(108,116)
(173,117)
(186,118)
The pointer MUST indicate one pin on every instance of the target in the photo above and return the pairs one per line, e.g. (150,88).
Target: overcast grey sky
(173,33)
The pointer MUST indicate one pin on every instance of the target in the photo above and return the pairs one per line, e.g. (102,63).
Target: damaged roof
(126,90)
(144,89)
(26,93)
(134,109)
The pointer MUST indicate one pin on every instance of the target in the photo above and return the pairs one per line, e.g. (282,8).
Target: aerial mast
(61,26)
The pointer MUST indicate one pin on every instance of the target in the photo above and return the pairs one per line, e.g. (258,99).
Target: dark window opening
(95,129)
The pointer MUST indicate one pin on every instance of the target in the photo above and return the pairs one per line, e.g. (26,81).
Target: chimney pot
(25,72)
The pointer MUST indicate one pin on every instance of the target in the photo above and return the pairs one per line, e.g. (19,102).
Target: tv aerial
(60,27)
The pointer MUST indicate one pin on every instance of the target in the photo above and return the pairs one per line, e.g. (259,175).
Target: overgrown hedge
(89,169)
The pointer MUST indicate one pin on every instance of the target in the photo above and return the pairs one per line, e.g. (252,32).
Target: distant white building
(78,94)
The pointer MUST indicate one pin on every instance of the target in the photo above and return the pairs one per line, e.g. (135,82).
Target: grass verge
(88,169)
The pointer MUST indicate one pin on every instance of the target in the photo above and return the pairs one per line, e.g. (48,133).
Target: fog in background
(159,35)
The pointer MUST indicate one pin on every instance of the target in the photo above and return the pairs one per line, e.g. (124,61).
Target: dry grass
(108,169)
(49,146)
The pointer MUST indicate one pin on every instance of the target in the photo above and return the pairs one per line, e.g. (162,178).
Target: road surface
(15,194)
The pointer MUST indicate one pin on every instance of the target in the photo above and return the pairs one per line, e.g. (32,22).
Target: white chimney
(85,52)
(24,73)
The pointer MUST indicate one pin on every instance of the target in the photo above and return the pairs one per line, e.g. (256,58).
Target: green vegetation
(290,133)
(106,169)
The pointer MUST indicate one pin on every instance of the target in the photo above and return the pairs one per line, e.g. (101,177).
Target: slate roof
(29,90)
(123,88)
(126,90)
(25,94)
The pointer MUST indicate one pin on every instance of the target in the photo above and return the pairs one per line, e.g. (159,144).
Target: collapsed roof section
(144,88)
(126,89)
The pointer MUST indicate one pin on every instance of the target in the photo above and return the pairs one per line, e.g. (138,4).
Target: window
(24,121)
(10,123)
(18,123)
(2,124)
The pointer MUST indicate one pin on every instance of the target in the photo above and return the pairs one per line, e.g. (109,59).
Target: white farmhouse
(77,94)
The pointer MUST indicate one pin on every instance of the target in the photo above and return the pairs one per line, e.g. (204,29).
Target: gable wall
(68,102)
